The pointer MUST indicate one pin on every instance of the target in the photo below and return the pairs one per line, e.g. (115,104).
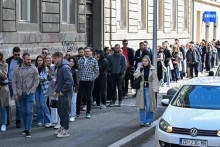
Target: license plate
(193,142)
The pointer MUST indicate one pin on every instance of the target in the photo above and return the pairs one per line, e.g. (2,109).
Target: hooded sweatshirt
(64,78)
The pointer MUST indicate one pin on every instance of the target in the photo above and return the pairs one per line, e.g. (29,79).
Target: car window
(200,97)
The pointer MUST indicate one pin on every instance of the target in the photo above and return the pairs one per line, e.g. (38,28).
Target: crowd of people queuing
(63,86)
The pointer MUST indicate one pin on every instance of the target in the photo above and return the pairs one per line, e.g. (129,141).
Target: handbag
(136,83)
(164,69)
(53,103)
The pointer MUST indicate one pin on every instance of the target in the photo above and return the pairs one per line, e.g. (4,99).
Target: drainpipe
(110,33)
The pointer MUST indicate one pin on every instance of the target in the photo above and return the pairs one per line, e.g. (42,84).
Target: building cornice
(213,3)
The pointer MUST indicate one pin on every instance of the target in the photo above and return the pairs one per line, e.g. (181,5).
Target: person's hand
(61,94)
(141,66)
(50,72)
(54,94)
(16,98)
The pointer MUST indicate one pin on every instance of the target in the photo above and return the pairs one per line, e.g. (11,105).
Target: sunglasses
(67,54)
(44,52)
(16,54)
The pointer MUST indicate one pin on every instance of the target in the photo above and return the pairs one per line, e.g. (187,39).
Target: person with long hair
(149,85)
(74,68)
(160,64)
(43,114)
(4,92)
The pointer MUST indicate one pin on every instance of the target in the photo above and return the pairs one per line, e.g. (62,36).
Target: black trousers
(116,83)
(109,88)
(85,89)
(100,90)
(64,105)
(195,67)
(127,77)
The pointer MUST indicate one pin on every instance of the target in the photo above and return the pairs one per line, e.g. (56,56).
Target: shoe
(25,131)
(134,96)
(88,115)
(63,133)
(72,118)
(112,103)
(57,126)
(8,123)
(119,104)
(77,116)
(48,125)
(83,108)
(3,128)
(18,123)
(102,106)
(28,134)
(148,124)
(58,131)
(39,124)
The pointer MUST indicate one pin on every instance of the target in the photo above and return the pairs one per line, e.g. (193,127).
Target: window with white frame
(24,13)
(68,11)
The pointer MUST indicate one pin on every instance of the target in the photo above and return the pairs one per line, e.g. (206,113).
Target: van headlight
(218,134)
(165,126)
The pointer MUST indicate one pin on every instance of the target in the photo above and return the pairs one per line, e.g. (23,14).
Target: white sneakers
(61,132)
(57,126)
(3,128)
(72,118)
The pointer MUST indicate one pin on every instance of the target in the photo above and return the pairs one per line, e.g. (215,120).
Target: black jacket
(183,52)
(130,56)
(103,64)
(168,56)
(75,79)
(138,58)
(9,61)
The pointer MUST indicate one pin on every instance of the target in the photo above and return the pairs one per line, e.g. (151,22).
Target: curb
(136,137)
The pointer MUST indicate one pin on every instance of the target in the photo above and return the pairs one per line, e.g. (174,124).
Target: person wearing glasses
(12,62)
(45,51)
(68,54)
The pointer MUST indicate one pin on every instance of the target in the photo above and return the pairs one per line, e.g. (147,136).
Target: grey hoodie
(64,78)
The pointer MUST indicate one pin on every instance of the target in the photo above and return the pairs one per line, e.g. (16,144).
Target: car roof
(211,81)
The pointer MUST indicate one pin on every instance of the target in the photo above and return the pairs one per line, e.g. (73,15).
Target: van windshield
(199,97)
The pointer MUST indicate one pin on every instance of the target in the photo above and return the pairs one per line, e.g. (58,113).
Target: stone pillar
(207,31)
(81,16)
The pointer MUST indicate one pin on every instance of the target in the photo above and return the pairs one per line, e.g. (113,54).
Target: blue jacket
(64,78)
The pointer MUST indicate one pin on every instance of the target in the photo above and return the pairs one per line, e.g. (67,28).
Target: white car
(193,116)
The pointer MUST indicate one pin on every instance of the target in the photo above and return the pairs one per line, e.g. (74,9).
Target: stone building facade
(33,24)
(133,20)
(210,30)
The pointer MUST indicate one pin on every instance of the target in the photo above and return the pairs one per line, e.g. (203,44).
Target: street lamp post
(155,35)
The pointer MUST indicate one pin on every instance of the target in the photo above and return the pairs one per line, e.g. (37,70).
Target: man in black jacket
(117,67)
(139,54)
(100,86)
(167,54)
(129,55)
(12,64)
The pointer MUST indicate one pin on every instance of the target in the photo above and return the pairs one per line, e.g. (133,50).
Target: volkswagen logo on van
(193,132)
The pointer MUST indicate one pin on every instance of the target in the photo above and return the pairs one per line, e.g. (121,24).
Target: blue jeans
(3,115)
(146,116)
(175,74)
(167,73)
(27,105)
(18,111)
(42,109)
(73,104)
(182,72)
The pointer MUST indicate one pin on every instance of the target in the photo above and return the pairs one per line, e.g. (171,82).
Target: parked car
(192,118)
